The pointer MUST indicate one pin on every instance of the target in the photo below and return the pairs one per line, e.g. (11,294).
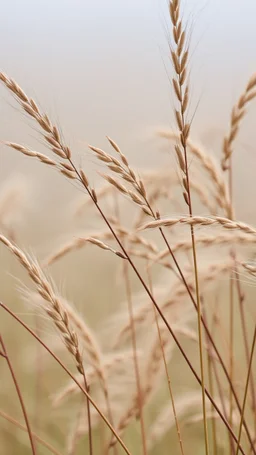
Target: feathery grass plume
(129,175)
(201,221)
(37,438)
(150,258)
(143,313)
(61,364)
(153,369)
(81,241)
(79,428)
(237,115)
(186,403)
(69,170)
(13,198)
(159,184)
(87,340)
(179,54)
(204,196)
(165,419)
(125,172)
(52,138)
(250,267)
(113,364)
(55,310)
(211,167)
(225,238)
(50,133)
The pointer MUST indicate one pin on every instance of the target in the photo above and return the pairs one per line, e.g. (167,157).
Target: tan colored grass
(225,238)
(249,267)
(51,135)
(237,115)
(143,314)
(54,307)
(123,170)
(211,167)
(116,363)
(201,221)
(165,420)
(79,242)
(13,201)
(36,437)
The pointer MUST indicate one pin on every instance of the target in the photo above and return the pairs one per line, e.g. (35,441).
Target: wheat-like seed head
(165,419)
(179,55)
(226,238)
(210,166)
(237,115)
(111,364)
(51,135)
(125,172)
(201,221)
(96,239)
(55,310)
(143,314)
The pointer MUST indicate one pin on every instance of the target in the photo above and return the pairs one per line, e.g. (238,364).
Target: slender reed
(238,113)
(246,389)
(56,312)
(35,436)
(83,390)
(4,354)
(177,425)
(69,170)
(135,356)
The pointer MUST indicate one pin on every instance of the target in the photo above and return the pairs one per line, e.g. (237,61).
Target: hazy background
(102,68)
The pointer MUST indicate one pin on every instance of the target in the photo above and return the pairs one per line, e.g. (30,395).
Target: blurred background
(102,68)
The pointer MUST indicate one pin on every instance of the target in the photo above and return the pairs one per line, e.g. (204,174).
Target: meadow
(128,321)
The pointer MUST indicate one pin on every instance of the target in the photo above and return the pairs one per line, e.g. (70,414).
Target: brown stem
(88,412)
(135,357)
(231,307)
(35,436)
(134,345)
(241,297)
(22,404)
(166,369)
(231,350)
(246,389)
(70,375)
(216,350)
(211,385)
(154,302)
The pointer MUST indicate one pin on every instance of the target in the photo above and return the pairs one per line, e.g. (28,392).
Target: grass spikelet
(201,221)
(237,115)
(55,310)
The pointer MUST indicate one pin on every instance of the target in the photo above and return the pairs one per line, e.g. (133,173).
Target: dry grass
(177,347)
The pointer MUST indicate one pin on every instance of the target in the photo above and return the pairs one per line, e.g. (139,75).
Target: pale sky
(103,67)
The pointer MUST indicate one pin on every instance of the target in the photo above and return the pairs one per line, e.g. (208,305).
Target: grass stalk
(56,358)
(4,354)
(135,356)
(177,425)
(179,57)
(35,435)
(246,390)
